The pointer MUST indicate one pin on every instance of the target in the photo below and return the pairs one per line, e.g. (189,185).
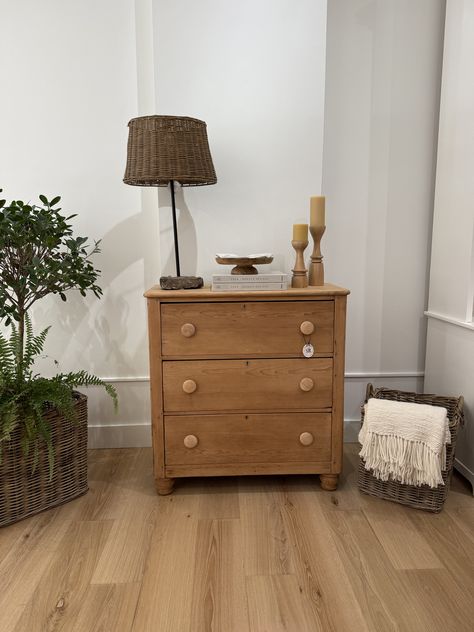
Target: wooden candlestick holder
(300,277)
(316,267)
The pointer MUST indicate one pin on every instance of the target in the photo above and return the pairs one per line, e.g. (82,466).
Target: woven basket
(23,493)
(424,497)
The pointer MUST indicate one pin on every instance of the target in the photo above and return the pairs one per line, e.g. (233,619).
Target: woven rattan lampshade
(165,148)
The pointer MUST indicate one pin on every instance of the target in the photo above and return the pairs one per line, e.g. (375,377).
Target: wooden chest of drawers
(231,391)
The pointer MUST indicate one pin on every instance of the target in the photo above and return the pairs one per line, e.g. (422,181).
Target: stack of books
(249,282)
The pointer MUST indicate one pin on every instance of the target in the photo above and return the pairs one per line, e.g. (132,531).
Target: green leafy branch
(40,256)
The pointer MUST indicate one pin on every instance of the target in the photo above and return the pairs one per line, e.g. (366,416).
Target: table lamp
(165,149)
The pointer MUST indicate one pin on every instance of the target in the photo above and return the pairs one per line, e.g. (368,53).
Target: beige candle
(300,232)
(317,210)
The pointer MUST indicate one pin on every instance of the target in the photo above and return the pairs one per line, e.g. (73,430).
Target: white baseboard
(120,432)
(139,435)
(120,436)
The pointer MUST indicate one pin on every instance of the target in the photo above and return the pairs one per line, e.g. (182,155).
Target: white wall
(450,371)
(254,71)
(92,67)
(450,341)
(383,72)
(69,69)
(452,270)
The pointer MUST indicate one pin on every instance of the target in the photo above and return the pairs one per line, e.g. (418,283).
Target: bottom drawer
(240,438)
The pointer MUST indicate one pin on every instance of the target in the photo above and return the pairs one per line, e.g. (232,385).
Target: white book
(248,287)
(267,277)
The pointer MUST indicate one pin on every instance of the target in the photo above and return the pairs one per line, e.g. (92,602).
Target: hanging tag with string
(308,349)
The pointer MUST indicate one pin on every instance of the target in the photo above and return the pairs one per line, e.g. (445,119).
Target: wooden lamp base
(181,282)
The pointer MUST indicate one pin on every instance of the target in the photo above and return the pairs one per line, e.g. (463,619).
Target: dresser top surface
(206,293)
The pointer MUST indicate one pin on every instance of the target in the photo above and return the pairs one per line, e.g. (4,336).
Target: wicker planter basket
(424,497)
(22,493)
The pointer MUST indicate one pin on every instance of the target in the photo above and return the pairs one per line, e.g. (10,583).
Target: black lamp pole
(175,229)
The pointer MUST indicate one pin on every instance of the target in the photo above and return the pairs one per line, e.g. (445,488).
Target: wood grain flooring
(248,554)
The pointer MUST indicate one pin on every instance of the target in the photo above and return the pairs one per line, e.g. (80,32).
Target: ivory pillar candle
(300,232)
(317,210)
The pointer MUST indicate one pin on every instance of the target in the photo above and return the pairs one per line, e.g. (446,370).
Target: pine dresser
(232,392)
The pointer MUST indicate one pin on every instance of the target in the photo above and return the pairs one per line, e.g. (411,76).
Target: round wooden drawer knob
(189,386)
(307,328)
(188,330)
(306,438)
(191,441)
(306,384)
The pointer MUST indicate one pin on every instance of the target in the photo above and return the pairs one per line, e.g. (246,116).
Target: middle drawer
(273,384)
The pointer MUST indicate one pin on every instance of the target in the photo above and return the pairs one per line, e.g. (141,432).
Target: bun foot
(164,486)
(329,481)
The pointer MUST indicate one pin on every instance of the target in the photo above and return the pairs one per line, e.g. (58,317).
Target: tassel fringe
(410,462)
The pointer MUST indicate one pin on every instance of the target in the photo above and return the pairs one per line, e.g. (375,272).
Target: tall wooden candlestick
(299,278)
(316,267)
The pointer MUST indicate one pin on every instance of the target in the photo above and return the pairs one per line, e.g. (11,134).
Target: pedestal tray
(244,265)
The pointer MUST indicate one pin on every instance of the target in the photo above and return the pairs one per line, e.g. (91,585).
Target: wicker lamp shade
(166,148)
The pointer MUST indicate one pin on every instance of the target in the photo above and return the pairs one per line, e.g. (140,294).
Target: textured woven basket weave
(424,497)
(164,148)
(22,493)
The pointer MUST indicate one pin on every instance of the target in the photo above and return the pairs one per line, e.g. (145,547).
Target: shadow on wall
(108,337)
(93,331)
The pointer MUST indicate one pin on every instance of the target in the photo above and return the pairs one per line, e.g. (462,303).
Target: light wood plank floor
(250,554)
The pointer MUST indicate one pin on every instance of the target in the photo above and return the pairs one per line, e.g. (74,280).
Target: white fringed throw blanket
(405,442)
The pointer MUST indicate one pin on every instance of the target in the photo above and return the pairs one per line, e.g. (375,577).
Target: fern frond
(8,421)
(35,456)
(14,343)
(82,378)
(28,327)
(25,399)
(7,360)
(44,432)
(33,344)
(53,394)
(29,438)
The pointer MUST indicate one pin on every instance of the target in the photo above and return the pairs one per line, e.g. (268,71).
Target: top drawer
(245,329)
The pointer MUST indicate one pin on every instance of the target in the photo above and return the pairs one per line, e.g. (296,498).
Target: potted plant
(43,421)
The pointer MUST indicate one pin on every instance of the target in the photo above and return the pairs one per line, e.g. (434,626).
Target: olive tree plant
(39,256)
